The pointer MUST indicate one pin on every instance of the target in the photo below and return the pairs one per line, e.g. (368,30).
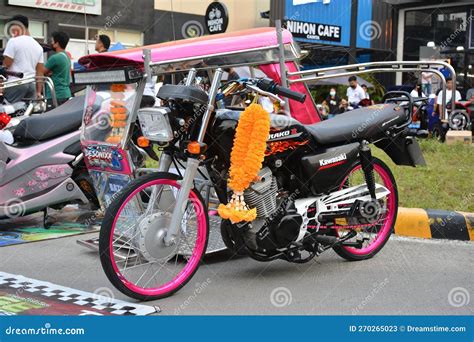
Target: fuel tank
(286,134)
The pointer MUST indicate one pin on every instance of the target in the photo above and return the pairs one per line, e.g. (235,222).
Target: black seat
(58,121)
(366,123)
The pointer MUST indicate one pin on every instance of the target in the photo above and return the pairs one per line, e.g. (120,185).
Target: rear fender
(403,151)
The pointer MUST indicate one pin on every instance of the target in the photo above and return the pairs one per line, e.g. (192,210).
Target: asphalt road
(408,277)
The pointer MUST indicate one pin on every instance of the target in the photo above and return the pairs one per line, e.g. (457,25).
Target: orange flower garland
(246,159)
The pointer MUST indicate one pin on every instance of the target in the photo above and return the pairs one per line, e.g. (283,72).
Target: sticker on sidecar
(106,158)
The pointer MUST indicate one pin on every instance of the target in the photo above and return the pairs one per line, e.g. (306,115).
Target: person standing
(102,43)
(58,67)
(367,95)
(355,93)
(427,82)
(23,54)
(449,96)
(332,102)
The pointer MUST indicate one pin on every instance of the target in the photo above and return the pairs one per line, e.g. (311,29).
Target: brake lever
(266,93)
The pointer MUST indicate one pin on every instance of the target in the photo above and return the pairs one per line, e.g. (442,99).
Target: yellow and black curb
(435,224)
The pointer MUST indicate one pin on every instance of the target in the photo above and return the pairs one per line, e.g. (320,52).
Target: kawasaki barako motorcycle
(318,187)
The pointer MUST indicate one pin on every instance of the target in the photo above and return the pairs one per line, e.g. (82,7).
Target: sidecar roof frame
(249,47)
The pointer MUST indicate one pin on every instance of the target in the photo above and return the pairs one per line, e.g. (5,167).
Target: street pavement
(408,277)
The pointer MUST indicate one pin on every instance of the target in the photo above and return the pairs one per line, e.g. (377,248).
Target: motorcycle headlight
(155,124)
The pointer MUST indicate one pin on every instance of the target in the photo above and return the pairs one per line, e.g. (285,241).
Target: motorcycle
(44,167)
(319,187)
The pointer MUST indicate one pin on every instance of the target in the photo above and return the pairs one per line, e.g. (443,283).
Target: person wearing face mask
(332,102)
(355,93)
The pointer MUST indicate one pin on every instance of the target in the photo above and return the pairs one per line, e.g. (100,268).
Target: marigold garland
(246,159)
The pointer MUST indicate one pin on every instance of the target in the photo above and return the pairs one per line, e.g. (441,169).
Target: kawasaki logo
(336,159)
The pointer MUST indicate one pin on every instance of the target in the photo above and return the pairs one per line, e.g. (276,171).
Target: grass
(447,182)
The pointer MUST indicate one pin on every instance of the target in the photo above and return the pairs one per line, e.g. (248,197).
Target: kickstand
(47,222)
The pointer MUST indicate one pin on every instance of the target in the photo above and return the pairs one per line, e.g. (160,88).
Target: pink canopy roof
(189,48)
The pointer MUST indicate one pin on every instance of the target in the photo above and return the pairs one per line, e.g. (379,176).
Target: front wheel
(372,235)
(132,250)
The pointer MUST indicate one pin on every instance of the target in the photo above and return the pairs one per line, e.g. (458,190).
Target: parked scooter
(44,167)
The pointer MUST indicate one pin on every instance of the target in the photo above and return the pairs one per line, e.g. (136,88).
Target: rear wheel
(132,250)
(375,231)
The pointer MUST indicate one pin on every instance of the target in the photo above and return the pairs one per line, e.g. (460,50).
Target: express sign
(314,31)
(217,18)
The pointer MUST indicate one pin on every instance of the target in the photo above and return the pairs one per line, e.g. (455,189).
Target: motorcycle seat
(367,123)
(58,121)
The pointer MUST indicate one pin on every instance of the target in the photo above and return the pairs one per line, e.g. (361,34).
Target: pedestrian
(343,106)
(427,82)
(417,92)
(58,67)
(355,93)
(449,96)
(102,43)
(332,102)
(23,54)
(367,95)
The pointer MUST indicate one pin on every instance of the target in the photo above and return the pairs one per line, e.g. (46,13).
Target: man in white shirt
(23,54)
(355,93)
(449,95)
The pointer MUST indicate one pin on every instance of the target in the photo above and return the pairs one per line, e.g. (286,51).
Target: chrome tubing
(394,66)
(192,166)
(216,82)
(378,70)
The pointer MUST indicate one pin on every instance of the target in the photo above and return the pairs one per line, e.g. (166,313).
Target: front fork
(187,184)
(368,167)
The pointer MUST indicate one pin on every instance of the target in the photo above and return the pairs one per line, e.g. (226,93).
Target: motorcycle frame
(27,159)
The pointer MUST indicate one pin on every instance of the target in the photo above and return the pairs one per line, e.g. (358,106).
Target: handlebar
(269,85)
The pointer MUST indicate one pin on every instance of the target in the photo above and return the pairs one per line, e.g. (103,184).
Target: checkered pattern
(72,296)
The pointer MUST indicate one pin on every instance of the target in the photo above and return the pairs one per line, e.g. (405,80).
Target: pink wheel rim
(192,263)
(388,219)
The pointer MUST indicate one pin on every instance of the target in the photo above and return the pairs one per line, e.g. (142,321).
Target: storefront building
(441,30)
(338,32)
(83,20)
(130,22)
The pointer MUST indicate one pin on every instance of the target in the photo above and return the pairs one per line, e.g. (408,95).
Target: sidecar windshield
(107,112)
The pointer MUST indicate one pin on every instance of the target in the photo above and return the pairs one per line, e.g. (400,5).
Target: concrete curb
(435,224)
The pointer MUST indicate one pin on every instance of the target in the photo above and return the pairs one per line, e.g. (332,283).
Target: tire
(459,120)
(113,212)
(439,134)
(351,253)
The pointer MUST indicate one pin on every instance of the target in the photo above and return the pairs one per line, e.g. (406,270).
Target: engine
(277,223)
(263,194)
